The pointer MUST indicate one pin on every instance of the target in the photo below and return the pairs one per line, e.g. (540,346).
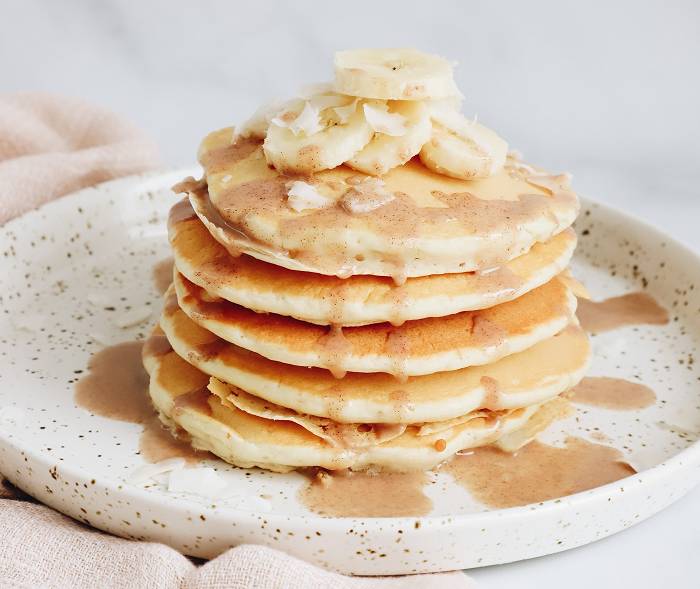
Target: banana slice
(312,140)
(385,152)
(393,74)
(462,148)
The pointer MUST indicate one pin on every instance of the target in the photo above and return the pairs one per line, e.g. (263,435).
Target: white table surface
(607,90)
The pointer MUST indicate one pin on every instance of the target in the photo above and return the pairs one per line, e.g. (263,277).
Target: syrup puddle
(536,472)
(157,443)
(162,275)
(630,309)
(116,384)
(116,387)
(358,494)
(612,393)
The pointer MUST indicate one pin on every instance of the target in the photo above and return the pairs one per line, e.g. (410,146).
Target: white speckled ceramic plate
(106,240)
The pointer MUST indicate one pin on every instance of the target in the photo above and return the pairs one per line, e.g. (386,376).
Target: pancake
(417,347)
(532,376)
(178,391)
(434,224)
(358,300)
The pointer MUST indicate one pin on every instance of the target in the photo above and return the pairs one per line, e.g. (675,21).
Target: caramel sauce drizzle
(335,348)
(537,472)
(116,387)
(637,308)
(612,393)
(346,493)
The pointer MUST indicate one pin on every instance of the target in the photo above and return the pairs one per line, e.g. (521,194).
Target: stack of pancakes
(386,322)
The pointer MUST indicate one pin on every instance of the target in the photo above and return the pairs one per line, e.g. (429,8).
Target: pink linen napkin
(50,146)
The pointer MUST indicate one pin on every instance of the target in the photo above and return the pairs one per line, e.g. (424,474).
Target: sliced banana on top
(316,138)
(385,151)
(462,148)
(385,107)
(393,74)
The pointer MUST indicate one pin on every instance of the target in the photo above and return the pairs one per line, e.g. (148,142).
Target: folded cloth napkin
(50,146)
(41,548)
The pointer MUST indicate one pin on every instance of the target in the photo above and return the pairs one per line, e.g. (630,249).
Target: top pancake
(434,225)
(357,300)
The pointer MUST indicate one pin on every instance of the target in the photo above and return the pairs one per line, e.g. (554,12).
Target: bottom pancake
(180,393)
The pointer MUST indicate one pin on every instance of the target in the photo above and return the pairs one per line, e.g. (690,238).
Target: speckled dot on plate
(104,241)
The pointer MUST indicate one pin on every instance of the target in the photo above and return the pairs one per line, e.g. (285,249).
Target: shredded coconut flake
(307,121)
(302,196)
(432,476)
(249,502)
(521,167)
(148,471)
(551,183)
(12,416)
(99,337)
(28,322)
(257,124)
(465,452)
(689,432)
(203,481)
(679,418)
(324,101)
(610,347)
(133,317)
(366,196)
(345,112)
(99,299)
(382,121)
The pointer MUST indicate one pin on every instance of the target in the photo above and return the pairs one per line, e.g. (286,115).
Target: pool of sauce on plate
(157,443)
(162,275)
(537,472)
(116,384)
(636,308)
(357,494)
(612,393)
(116,387)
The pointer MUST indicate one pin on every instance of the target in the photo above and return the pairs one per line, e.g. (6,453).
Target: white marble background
(609,90)
(606,89)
